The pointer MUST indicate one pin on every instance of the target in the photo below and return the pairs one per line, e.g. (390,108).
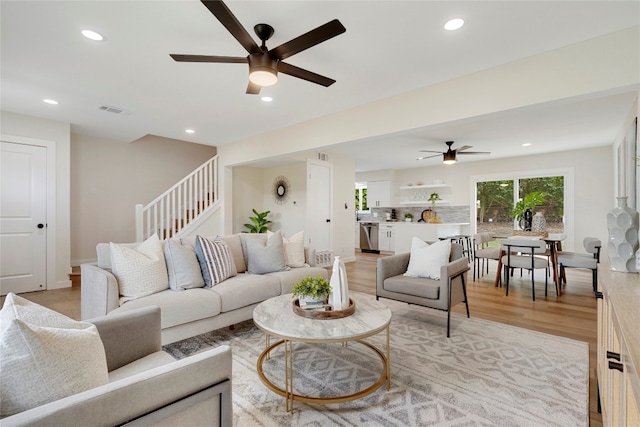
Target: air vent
(110,109)
(323,156)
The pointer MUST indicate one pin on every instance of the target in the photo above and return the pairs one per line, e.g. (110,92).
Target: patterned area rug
(486,374)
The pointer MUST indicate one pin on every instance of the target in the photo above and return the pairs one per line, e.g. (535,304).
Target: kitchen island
(403,232)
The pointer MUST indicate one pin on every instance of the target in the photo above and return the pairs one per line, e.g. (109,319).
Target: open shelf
(423,202)
(418,187)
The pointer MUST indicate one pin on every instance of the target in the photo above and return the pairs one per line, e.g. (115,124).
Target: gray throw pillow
(265,257)
(182,266)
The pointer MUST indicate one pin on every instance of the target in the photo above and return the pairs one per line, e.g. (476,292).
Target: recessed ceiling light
(526,144)
(454,24)
(190,131)
(267,99)
(50,101)
(92,35)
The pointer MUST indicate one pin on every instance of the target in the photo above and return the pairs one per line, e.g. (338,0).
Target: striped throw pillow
(216,261)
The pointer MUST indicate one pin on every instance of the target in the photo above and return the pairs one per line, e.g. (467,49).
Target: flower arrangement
(317,288)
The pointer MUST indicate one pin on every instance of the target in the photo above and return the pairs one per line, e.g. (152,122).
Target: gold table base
(290,396)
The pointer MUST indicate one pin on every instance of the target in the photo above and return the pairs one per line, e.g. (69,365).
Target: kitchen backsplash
(447,213)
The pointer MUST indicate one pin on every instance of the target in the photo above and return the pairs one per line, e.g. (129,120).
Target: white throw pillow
(45,356)
(293,249)
(425,260)
(182,266)
(141,271)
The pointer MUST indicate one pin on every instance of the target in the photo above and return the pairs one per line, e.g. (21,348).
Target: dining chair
(521,253)
(482,252)
(587,260)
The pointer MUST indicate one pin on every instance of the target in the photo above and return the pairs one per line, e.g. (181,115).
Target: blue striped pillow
(216,261)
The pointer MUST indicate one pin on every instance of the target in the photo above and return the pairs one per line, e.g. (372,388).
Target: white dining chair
(521,253)
(588,260)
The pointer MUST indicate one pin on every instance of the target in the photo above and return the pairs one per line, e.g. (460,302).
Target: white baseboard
(60,284)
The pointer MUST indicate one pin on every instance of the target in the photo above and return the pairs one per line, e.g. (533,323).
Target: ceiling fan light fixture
(449,157)
(263,71)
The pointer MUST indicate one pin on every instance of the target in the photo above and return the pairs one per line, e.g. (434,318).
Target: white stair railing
(173,210)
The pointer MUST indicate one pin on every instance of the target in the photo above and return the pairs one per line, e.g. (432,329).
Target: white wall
(109,178)
(59,133)
(289,216)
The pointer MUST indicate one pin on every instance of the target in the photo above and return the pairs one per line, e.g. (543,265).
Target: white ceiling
(390,47)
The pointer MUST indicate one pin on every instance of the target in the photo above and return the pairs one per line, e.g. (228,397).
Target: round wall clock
(280,190)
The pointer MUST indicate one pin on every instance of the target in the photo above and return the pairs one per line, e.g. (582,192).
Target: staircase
(176,210)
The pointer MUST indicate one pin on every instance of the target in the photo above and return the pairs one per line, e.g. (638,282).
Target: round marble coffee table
(276,318)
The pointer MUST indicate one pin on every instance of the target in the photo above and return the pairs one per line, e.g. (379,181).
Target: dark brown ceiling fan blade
(475,152)
(430,151)
(300,73)
(253,89)
(231,23)
(209,58)
(429,157)
(464,147)
(309,39)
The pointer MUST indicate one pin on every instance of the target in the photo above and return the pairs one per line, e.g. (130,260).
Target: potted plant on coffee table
(311,291)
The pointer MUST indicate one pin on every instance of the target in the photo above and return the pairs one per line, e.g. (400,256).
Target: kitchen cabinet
(386,241)
(379,194)
(618,360)
(418,195)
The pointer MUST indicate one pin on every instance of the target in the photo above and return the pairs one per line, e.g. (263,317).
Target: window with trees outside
(495,201)
(361,197)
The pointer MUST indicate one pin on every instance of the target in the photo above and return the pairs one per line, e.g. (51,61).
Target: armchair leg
(506,279)
(464,291)
(594,275)
(533,285)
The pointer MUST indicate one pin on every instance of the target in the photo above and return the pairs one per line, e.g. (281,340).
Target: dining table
(554,243)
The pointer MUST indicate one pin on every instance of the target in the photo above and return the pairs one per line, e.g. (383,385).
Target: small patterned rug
(486,374)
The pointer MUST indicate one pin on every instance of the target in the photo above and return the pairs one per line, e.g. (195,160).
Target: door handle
(328,220)
(40,225)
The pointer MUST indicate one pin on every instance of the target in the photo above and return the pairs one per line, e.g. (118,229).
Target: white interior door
(319,206)
(23,218)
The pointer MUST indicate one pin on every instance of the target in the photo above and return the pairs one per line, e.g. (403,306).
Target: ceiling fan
(449,156)
(264,64)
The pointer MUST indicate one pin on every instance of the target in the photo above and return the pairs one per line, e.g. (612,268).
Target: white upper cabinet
(379,194)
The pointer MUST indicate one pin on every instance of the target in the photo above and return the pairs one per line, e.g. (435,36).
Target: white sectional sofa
(190,312)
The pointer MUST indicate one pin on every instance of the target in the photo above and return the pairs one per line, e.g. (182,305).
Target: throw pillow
(293,249)
(141,271)
(45,356)
(265,257)
(216,261)
(182,266)
(425,260)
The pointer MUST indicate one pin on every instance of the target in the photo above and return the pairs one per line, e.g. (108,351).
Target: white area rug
(486,374)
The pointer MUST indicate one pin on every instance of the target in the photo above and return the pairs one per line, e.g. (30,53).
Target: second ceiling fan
(265,64)
(449,156)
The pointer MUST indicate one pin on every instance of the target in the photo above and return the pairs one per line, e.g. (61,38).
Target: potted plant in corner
(408,217)
(259,222)
(311,291)
(522,211)
(433,198)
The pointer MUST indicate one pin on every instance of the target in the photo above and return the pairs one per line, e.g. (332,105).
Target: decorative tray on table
(326,313)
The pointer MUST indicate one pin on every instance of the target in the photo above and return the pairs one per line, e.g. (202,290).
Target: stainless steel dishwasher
(369,237)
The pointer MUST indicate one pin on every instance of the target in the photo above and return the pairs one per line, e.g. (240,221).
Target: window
(496,195)
(361,197)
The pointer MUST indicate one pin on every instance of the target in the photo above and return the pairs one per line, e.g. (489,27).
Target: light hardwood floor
(573,315)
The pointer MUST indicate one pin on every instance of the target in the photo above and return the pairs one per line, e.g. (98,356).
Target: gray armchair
(146,385)
(439,294)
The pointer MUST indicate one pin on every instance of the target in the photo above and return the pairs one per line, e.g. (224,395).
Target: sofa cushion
(246,289)
(141,271)
(45,356)
(265,257)
(415,286)
(216,262)
(182,266)
(178,307)
(290,277)
(235,246)
(425,260)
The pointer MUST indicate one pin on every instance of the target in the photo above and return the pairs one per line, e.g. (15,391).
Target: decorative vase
(538,223)
(525,221)
(622,223)
(339,286)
